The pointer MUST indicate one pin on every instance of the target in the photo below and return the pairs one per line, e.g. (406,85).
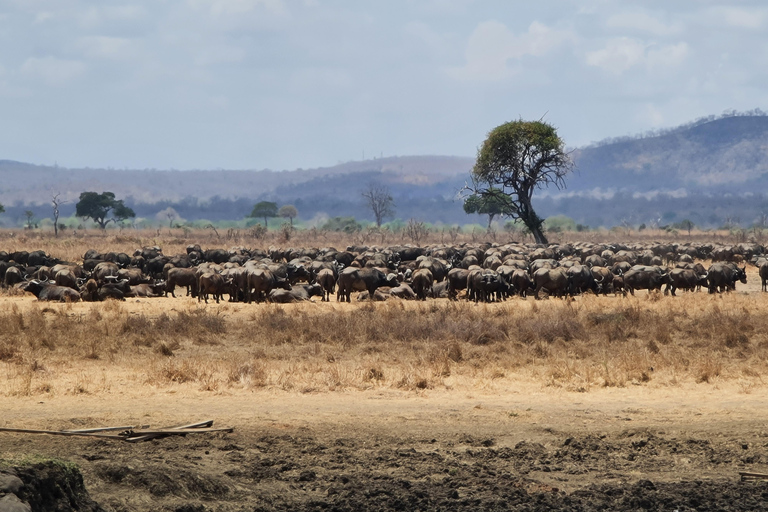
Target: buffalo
(362,279)
(46,291)
(722,277)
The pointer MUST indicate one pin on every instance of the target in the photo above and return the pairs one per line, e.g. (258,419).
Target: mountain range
(712,171)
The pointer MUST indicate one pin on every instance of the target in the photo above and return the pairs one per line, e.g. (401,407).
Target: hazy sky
(281,84)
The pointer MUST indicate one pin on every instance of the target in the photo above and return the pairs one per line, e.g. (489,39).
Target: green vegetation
(489,205)
(265,210)
(516,159)
(345,224)
(99,207)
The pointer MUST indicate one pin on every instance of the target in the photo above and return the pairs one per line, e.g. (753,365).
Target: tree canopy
(379,200)
(2,208)
(99,207)
(488,205)
(265,210)
(288,211)
(516,159)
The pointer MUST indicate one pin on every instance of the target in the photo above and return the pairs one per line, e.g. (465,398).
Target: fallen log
(753,476)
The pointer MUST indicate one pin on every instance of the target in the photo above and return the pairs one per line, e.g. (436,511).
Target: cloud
(621,54)
(641,22)
(239,7)
(618,55)
(53,71)
(113,48)
(220,54)
(97,16)
(492,45)
(738,17)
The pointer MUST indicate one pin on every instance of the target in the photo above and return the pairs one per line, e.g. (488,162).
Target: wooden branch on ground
(131,434)
(752,476)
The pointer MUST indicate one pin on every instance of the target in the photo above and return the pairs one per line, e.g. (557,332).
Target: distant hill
(712,171)
(722,155)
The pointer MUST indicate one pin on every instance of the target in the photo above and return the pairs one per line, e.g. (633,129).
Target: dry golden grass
(581,345)
(167,344)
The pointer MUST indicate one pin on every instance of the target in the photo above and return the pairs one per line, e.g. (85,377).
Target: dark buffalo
(722,277)
(326,278)
(104,271)
(684,279)
(404,292)
(154,267)
(582,280)
(66,277)
(211,283)
(438,268)
(261,281)
(13,276)
(486,285)
(185,277)
(421,283)
(457,280)
(133,275)
(764,276)
(51,292)
(521,282)
(218,256)
(156,289)
(115,290)
(641,277)
(297,293)
(554,281)
(362,279)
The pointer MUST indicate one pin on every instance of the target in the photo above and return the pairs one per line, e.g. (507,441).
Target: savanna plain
(649,402)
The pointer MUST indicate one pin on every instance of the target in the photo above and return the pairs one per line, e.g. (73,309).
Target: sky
(286,84)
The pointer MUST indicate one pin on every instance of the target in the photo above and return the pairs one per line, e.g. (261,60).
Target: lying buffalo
(51,292)
(297,293)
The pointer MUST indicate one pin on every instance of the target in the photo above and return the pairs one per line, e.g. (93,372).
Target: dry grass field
(452,379)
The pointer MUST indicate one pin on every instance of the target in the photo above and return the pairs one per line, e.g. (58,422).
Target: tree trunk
(538,234)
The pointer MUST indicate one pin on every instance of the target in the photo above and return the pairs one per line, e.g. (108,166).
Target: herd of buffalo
(483,272)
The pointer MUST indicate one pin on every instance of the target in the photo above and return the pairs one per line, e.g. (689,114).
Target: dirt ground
(526,447)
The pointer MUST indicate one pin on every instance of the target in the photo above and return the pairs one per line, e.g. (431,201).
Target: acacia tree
(288,211)
(265,209)
(489,205)
(516,159)
(379,200)
(99,207)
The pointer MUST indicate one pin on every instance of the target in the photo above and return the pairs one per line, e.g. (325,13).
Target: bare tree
(56,203)
(417,231)
(168,213)
(379,200)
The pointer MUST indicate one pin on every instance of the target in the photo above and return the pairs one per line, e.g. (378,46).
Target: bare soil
(525,449)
